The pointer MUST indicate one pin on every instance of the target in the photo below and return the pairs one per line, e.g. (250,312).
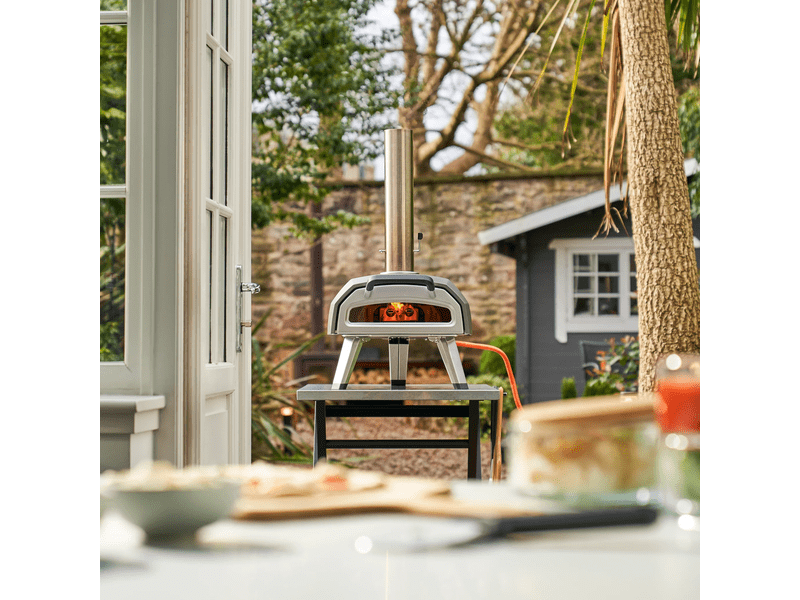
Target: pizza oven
(399,304)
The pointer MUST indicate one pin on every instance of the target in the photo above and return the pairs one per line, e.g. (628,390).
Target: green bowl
(177,512)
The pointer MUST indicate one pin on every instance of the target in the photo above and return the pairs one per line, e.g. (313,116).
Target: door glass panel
(209,125)
(112,279)
(113,95)
(210,12)
(223,23)
(222,265)
(210,218)
(224,134)
(113,4)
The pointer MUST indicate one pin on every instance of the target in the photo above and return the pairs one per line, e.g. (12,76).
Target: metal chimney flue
(399,185)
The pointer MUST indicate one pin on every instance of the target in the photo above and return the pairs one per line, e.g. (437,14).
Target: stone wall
(449,212)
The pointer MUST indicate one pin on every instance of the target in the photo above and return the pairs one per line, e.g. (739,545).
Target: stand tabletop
(418,393)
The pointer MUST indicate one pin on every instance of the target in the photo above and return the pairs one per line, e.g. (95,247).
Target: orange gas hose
(502,354)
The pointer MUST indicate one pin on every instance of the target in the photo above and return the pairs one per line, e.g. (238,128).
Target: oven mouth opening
(398,313)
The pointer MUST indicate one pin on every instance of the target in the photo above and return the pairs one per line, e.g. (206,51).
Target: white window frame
(128,375)
(565,322)
(153,362)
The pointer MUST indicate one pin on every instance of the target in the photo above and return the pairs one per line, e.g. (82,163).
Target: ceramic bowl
(174,513)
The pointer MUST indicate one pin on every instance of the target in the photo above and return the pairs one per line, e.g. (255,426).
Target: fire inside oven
(400,312)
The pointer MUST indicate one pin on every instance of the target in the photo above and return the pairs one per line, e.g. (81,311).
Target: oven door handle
(425,280)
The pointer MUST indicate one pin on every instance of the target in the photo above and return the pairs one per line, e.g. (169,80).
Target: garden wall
(448,211)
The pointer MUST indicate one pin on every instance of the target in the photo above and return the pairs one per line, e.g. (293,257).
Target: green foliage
(113,97)
(270,393)
(689,121)
(602,386)
(536,123)
(690,465)
(683,16)
(492,363)
(320,97)
(485,407)
(110,342)
(574,79)
(112,278)
(618,368)
(568,389)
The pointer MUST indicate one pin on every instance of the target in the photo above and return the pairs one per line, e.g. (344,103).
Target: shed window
(595,286)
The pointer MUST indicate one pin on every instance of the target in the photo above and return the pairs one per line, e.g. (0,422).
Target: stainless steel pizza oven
(399,304)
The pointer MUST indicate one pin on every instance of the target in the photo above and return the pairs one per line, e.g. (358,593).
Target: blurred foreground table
(342,557)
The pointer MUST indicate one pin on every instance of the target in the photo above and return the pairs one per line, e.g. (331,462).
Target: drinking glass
(678,415)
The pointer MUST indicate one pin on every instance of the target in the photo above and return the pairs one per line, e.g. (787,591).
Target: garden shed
(570,288)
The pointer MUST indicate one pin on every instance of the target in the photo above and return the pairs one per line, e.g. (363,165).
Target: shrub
(485,407)
(492,363)
(568,389)
(271,392)
(618,368)
(600,387)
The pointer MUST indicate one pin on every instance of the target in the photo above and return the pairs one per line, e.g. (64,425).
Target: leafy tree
(642,109)
(456,56)
(320,99)
(530,131)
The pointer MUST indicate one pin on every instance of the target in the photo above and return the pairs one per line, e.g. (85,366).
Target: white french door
(217,402)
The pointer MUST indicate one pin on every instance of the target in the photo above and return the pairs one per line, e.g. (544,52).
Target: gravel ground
(445,463)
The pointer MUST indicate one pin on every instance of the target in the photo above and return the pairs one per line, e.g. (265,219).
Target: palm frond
(577,70)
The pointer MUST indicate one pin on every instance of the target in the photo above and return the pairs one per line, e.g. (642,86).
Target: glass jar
(585,452)
(678,416)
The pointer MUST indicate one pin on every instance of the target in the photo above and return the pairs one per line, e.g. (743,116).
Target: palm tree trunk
(668,281)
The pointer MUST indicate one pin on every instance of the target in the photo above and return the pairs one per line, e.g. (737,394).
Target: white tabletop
(320,558)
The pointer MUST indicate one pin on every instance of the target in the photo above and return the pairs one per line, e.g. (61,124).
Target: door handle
(241,289)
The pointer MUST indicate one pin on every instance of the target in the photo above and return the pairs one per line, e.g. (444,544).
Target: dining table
(391,555)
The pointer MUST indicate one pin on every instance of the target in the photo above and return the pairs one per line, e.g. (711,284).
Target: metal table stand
(363,401)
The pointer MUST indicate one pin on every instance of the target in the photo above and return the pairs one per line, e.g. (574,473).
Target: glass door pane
(112,279)
(222,265)
(113,98)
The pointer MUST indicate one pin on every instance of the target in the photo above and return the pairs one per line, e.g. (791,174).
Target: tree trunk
(668,281)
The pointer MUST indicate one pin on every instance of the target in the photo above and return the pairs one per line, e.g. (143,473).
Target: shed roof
(557,212)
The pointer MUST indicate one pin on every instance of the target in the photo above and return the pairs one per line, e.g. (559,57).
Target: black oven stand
(431,400)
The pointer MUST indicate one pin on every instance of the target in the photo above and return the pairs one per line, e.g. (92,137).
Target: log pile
(419,375)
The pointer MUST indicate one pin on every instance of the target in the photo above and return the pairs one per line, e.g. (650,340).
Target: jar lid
(586,412)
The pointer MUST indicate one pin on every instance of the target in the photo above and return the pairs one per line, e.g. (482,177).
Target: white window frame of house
(565,321)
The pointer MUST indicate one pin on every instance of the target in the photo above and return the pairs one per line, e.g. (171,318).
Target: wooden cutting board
(398,494)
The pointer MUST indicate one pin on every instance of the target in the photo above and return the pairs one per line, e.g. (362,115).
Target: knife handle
(605,517)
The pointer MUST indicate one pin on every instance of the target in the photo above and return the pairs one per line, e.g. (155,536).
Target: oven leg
(320,435)
(398,362)
(452,362)
(347,362)
(474,441)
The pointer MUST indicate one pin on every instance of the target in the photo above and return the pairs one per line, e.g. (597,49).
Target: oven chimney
(399,185)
